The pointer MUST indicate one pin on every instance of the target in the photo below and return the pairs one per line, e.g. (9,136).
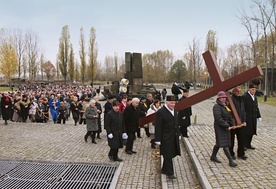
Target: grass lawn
(270,100)
(3,89)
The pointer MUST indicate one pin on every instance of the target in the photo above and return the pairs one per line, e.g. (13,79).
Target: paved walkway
(53,142)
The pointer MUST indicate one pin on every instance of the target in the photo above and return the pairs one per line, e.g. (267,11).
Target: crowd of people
(121,118)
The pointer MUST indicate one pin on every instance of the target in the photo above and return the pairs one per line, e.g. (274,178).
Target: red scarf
(7,99)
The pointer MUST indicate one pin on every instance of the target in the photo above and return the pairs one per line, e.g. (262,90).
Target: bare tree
(195,60)
(20,46)
(109,68)
(49,69)
(32,54)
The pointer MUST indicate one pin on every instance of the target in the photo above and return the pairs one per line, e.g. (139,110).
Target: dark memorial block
(128,57)
(137,65)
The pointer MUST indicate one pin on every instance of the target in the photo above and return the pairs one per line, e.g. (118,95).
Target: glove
(124,136)
(158,143)
(110,136)
(260,119)
(184,117)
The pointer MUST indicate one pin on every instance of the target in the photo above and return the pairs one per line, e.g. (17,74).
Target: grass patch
(3,89)
(270,100)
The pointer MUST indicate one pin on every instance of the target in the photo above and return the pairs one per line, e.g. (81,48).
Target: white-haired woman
(91,115)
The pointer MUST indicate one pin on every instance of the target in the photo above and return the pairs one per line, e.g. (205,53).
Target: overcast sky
(144,26)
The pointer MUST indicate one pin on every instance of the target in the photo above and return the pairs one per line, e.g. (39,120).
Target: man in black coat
(131,121)
(108,105)
(252,114)
(184,116)
(239,105)
(99,108)
(167,135)
(115,129)
(142,109)
(6,105)
(175,90)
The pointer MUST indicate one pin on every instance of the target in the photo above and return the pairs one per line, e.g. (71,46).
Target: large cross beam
(219,85)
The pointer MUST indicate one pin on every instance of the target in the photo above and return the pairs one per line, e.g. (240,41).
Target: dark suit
(184,119)
(6,105)
(239,105)
(131,121)
(114,125)
(167,132)
(252,113)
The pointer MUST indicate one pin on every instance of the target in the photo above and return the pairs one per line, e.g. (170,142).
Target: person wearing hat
(222,124)
(167,135)
(6,105)
(74,107)
(24,105)
(108,105)
(143,108)
(252,115)
(184,116)
(115,130)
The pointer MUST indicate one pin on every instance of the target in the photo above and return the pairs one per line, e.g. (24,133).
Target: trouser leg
(227,153)
(168,166)
(214,154)
(240,139)
(130,139)
(232,138)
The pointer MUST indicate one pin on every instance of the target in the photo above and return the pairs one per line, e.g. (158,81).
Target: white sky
(143,26)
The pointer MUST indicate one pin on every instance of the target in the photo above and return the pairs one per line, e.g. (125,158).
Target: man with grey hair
(131,120)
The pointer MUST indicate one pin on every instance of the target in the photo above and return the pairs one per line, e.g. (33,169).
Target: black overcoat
(185,113)
(6,107)
(222,121)
(114,124)
(131,118)
(167,132)
(252,113)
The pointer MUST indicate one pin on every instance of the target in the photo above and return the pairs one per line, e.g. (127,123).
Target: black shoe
(99,137)
(94,142)
(85,138)
(110,157)
(171,177)
(148,134)
(118,159)
(134,152)
(153,146)
(243,157)
(244,148)
(186,136)
(215,159)
(234,157)
(129,152)
(139,136)
(251,147)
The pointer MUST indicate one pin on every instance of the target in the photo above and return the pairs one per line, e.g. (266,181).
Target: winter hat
(222,94)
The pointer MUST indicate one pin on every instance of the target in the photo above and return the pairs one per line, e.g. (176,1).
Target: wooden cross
(219,84)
